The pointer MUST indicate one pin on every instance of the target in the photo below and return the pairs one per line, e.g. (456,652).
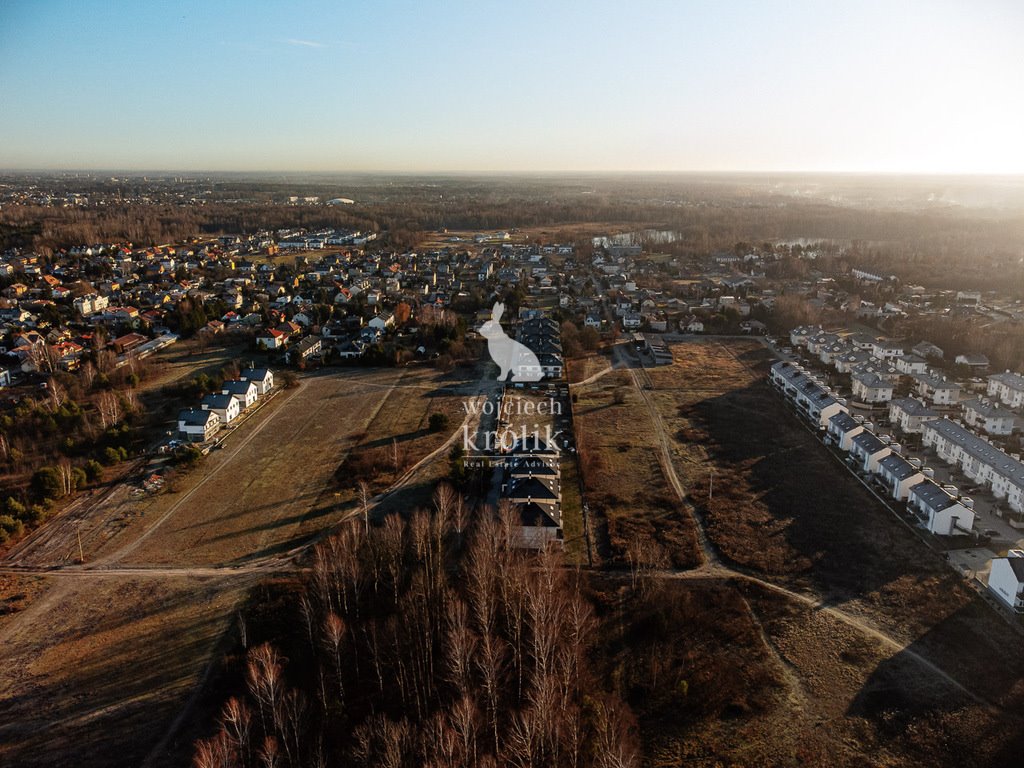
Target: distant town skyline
(864,87)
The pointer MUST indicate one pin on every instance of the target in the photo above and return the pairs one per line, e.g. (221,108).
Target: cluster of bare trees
(47,229)
(429,641)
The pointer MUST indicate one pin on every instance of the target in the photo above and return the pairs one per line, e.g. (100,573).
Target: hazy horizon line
(528,172)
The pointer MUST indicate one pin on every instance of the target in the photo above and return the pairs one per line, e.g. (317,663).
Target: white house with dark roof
(817,343)
(262,377)
(899,475)
(843,428)
(225,406)
(246,392)
(197,426)
(881,369)
(828,353)
(941,514)
(871,388)
(911,364)
(809,396)
(1008,387)
(938,390)
(862,341)
(981,461)
(1006,579)
(849,361)
(886,349)
(908,415)
(799,336)
(989,418)
(977,362)
(867,449)
(532,484)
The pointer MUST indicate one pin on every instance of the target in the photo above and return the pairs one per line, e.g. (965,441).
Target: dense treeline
(45,229)
(905,234)
(428,641)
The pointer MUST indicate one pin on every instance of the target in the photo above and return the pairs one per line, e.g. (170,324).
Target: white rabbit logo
(508,354)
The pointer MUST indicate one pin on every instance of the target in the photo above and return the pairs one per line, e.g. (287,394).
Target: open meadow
(624,483)
(862,635)
(104,660)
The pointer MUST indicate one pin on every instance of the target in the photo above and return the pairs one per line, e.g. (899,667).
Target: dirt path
(720,572)
(714,568)
(642,383)
(591,379)
(70,654)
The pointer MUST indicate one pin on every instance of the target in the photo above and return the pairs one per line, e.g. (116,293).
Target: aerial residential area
(193,423)
(530,385)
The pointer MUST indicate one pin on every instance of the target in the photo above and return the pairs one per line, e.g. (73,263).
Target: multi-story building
(908,415)
(809,396)
(989,418)
(1008,387)
(938,390)
(981,461)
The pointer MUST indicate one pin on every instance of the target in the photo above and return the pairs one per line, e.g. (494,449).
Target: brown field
(17,592)
(97,669)
(273,485)
(724,672)
(581,368)
(785,509)
(819,630)
(184,360)
(782,505)
(398,436)
(623,480)
(100,663)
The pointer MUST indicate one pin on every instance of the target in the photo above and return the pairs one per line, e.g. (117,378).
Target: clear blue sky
(515,85)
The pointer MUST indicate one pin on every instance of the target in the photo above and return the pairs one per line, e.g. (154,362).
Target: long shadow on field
(283,522)
(249,510)
(909,701)
(783,506)
(109,694)
(403,438)
(403,501)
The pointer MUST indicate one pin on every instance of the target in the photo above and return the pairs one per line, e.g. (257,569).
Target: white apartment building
(981,461)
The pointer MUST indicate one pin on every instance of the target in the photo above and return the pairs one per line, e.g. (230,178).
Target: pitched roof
(1009,379)
(932,496)
(1017,566)
(844,421)
(869,442)
(194,417)
(218,401)
(898,467)
(987,410)
(999,461)
(238,386)
(255,374)
(913,407)
(935,382)
(542,515)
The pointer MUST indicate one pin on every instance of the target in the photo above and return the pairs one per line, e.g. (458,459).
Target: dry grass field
(622,478)
(96,670)
(785,509)
(17,592)
(849,642)
(99,663)
(275,485)
(581,368)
